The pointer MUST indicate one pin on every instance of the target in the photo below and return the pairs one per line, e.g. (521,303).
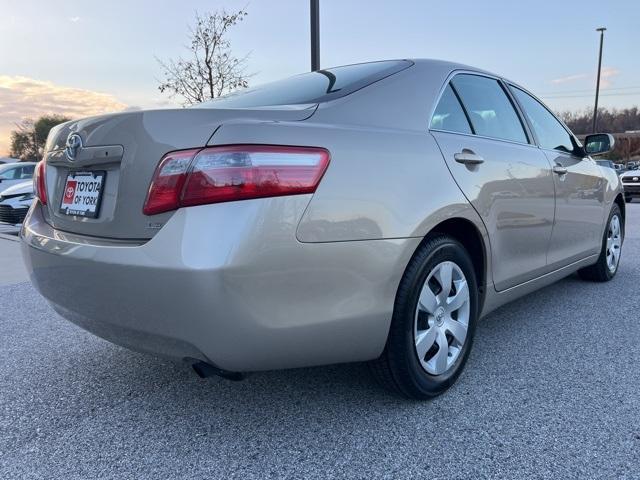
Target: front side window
(490,110)
(449,115)
(549,131)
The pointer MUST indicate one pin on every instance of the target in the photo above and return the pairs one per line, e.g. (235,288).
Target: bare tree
(211,69)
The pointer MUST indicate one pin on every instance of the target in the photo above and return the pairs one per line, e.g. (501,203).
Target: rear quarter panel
(380,184)
(387,177)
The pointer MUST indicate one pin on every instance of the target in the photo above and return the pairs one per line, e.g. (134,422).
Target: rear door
(580,186)
(506,178)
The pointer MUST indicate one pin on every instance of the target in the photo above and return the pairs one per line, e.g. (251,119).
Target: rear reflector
(40,182)
(238,172)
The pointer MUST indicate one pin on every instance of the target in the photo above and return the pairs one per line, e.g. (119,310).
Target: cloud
(606,76)
(570,78)
(74,19)
(24,97)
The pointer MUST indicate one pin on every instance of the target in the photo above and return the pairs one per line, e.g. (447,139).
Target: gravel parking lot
(552,390)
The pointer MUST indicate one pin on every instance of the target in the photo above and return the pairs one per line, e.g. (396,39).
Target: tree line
(609,121)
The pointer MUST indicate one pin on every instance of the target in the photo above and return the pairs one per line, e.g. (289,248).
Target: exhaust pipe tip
(206,370)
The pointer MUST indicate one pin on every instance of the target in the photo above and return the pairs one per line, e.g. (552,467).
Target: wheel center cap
(439,316)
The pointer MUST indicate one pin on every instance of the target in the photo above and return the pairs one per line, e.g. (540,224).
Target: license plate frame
(88,194)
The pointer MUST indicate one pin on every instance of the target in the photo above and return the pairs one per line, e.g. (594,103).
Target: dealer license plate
(82,194)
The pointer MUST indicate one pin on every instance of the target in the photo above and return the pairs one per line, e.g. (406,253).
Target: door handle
(560,170)
(468,157)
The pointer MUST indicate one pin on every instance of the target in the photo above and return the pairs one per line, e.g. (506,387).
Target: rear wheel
(433,323)
(607,265)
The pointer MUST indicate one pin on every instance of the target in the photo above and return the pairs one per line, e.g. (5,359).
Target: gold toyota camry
(369,212)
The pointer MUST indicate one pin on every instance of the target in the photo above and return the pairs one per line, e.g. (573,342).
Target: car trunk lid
(127,148)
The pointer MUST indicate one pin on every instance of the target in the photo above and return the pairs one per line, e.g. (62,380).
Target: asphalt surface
(552,390)
(12,269)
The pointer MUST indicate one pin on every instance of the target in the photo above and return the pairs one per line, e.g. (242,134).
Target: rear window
(312,87)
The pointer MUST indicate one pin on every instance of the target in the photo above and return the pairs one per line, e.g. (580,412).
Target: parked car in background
(13,173)
(4,160)
(631,183)
(15,202)
(365,212)
(606,163)
(619,167)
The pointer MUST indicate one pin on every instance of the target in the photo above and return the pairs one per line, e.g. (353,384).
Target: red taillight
(40,182)
(237,172)
(167,183)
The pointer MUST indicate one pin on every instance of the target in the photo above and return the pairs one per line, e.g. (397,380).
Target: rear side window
(490,110)
(312,87)
(549,131)
(26,172)
(449,115)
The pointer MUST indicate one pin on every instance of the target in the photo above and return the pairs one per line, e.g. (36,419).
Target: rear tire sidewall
(447,250)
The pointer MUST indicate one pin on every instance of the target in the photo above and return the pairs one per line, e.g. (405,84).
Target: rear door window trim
(531,140)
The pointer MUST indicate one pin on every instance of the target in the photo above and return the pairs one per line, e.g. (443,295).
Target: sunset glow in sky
(83,58)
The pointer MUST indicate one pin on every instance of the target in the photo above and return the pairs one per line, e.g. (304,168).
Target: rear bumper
(228,284)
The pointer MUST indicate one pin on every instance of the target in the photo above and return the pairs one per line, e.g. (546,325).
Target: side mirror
(598,143)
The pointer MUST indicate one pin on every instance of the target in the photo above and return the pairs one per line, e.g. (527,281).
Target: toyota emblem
(73,146)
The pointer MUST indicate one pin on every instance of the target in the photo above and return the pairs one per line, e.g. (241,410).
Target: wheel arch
(470,236)
(619,200)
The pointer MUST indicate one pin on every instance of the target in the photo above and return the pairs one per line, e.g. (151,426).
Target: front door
(579,217)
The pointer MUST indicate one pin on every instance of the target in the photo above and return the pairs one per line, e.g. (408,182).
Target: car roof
(445,64)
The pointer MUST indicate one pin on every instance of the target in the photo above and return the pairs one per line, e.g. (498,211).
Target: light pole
(315,34)
(595,109)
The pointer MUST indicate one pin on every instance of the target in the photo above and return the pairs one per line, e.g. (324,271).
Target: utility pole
(595,109)
(315,34)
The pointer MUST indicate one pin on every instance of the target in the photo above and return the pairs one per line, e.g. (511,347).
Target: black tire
(599,271)
(399,369)
(628,198)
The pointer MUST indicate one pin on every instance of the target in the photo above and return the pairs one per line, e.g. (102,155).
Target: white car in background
(15,202)
(631,183)
(14,173)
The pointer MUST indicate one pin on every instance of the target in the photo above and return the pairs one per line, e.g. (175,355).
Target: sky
(81,58)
